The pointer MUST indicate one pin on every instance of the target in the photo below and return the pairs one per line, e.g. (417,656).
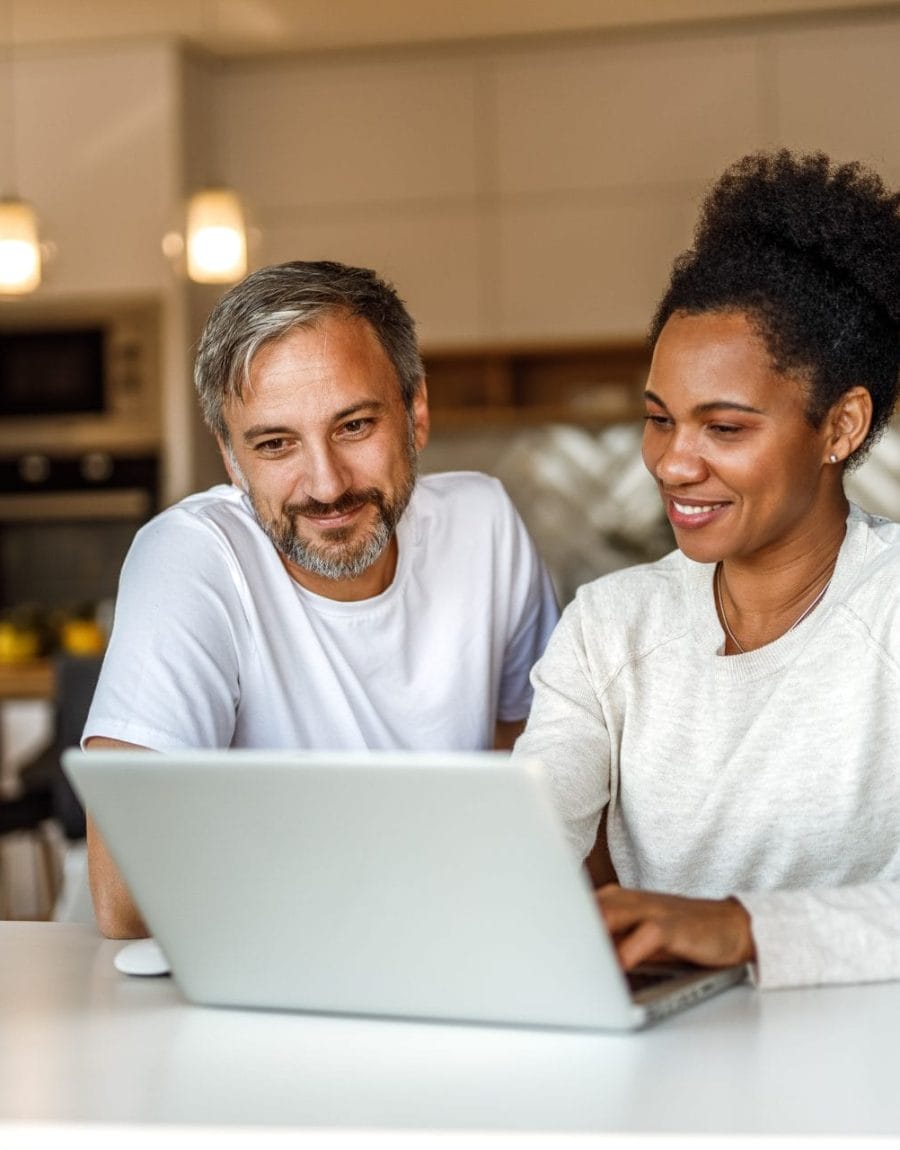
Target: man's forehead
(332,340)
(326,371)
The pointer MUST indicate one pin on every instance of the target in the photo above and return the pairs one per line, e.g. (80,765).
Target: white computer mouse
(142,957)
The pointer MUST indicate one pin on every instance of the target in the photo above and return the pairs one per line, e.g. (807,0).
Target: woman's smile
(691,515)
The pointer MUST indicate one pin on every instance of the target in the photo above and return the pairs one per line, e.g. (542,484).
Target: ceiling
(249,27)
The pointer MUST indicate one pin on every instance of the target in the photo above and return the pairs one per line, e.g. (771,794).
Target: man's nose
(326,476)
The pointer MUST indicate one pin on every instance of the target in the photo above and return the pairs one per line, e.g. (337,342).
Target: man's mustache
(349,501)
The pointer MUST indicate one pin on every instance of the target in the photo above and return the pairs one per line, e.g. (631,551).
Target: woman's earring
(832,458)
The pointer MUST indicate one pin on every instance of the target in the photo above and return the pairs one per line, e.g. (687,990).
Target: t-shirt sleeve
(170,675)
(533,623)
(567,733)
(816,937)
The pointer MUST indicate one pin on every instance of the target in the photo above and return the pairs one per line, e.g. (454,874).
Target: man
(326,599)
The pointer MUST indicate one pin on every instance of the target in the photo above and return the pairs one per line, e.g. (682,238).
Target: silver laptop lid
(401,883)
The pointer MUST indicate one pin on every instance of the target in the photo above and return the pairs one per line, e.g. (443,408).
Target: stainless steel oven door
(64,549)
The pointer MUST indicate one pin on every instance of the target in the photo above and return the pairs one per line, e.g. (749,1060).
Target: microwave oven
(78,377)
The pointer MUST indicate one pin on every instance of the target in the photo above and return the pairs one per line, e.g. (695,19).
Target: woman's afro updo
(810,251)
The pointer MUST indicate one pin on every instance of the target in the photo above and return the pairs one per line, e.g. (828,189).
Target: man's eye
(356,426)
(271,446)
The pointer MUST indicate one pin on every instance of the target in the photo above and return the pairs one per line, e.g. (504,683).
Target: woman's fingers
(648,926)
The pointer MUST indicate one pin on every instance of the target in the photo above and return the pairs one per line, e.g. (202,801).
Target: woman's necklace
(720,603)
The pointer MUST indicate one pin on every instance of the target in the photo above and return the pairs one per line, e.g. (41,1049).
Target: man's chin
(336,563)
(329,538)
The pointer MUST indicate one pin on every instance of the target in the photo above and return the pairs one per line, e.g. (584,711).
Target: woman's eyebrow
(728,405)
(711,405)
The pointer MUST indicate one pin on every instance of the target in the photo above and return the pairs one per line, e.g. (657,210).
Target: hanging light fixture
(216,239)
(20,250)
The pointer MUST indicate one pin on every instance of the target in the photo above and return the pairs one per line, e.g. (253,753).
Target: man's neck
(373,581)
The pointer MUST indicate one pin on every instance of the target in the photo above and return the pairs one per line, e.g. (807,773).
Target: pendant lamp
(20,251)
(216,237)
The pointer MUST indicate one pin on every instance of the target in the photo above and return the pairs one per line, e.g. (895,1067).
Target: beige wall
(240,27)
(541,190)
(528,190)
(93,133)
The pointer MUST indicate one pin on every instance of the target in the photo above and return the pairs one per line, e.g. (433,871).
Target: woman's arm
(566,733)
(792,937)
(817,936)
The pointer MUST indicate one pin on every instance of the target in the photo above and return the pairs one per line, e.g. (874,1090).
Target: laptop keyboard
(646,977)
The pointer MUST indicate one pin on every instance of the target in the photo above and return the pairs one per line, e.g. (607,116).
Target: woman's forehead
(719,359)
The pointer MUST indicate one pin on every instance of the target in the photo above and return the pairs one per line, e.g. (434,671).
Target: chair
(45,793)
(28,813)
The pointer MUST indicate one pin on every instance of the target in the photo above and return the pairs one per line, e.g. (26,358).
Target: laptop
(398,884)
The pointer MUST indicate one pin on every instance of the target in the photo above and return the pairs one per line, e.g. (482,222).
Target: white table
(81,1043)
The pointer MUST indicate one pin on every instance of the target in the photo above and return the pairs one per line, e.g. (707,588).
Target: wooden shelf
(34,679)
(594,384)
(472,418)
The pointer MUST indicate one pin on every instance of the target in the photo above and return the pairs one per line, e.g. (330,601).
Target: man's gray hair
(267,304)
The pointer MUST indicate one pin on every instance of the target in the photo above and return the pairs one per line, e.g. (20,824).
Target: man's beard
(345,554)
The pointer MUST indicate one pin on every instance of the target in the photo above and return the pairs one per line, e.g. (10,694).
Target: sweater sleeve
(567,733)
(818,936)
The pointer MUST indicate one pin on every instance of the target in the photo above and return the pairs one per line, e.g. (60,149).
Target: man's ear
(234,472)
(420,415)
(848,423)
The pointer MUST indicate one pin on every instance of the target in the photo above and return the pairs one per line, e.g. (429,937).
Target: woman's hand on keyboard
(649,927)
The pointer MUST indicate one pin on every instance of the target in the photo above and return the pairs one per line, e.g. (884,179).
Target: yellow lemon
(18,644)
(82,637)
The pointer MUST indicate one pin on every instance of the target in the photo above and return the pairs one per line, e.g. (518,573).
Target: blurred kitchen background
(523,172)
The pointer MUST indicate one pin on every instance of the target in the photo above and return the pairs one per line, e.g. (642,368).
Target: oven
(66,522)
(79,448)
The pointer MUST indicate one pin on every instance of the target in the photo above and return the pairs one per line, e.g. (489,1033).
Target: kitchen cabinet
(589,384)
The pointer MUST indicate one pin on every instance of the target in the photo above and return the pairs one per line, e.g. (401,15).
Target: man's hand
(650,927)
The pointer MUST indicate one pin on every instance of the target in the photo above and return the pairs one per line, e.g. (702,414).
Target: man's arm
(506,733)
(116,914)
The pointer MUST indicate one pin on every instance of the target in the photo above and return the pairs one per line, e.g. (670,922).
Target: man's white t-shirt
(215,645)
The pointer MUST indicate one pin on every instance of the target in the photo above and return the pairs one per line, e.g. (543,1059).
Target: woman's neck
(760,601)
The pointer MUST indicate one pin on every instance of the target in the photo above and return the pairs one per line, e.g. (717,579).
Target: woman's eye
(724,428)
(656,419)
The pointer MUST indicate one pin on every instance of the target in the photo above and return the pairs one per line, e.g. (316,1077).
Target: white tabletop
(80,1042)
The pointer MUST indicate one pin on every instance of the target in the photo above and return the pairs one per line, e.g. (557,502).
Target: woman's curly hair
(810,251)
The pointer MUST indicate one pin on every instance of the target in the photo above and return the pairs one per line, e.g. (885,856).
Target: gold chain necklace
(720,603)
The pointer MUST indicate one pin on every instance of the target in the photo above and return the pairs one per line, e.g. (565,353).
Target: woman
(734,709)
